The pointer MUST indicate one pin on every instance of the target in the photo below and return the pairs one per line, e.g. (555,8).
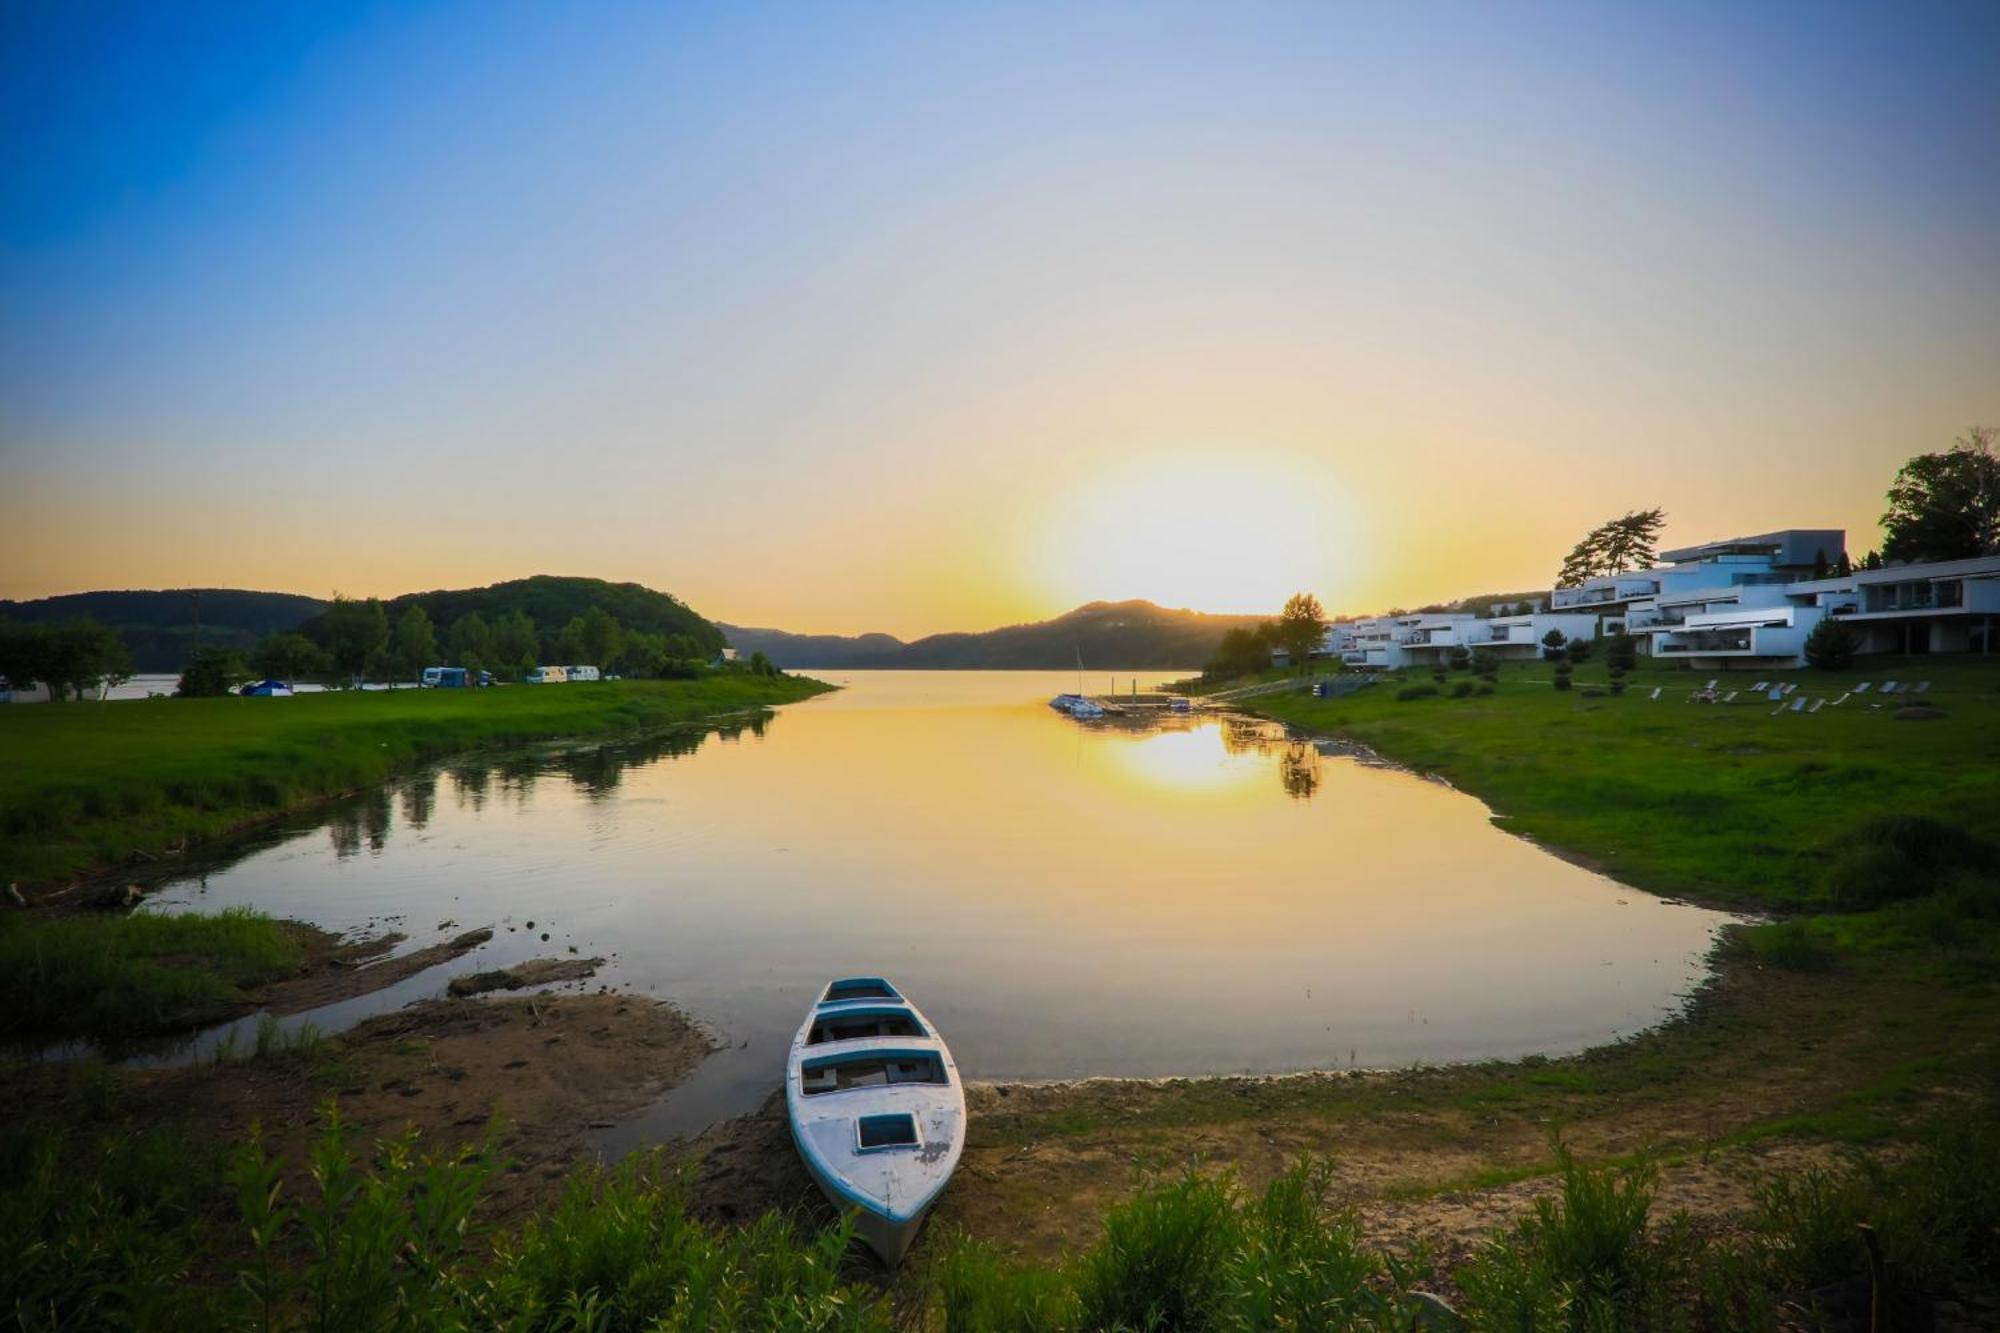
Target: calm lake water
(1201,895)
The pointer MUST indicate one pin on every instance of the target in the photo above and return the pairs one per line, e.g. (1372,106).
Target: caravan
(583,673)
(547,675)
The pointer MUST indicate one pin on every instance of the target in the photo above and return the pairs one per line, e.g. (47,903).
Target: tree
(1820,567)
(211,672)
(1242,652)
(1832,645)
(1621,544)
(416,642)
(1301,626)
(1845,567)
(1946,506)
(20,654)
(761,665)
(286,657)
(590,639)
(1873,560)
(1578,651)
(1621,652)
(472,643)
(355,632)
(643,654)
(1554,645)
(517,645)
(72,658)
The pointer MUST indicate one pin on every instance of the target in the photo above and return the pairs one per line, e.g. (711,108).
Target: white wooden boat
(876,1109)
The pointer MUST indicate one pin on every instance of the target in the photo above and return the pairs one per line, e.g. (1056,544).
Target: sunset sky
(844,317)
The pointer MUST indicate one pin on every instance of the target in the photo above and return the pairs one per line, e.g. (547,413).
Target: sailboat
(1077,705)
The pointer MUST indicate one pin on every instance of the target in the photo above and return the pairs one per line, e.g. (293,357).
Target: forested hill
(1108,635)
(552,601)
(158,626)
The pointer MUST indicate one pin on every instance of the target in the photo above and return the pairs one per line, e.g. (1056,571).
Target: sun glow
(1215,534)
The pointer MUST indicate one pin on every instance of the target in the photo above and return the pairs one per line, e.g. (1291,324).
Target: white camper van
(583,673)
(547,675)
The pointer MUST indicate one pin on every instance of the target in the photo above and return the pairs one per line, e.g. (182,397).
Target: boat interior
(859,988)
(869,1069)
(854,1024)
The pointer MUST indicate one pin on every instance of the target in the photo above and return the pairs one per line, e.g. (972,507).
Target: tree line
(355,641)
(74,658)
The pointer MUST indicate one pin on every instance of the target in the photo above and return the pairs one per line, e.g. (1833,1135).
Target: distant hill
(1113,636)
(552,600)
(158,626)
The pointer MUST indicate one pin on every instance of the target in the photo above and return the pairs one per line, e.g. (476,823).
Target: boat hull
(890,1240)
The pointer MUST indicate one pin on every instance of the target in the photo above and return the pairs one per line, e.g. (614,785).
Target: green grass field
(92,785)
(1725,803)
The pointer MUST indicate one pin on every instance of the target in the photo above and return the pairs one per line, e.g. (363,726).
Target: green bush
(1163,1259)
(1587,1260)
(1894,857)
(1462,689)
(1831,645)
(1409,692)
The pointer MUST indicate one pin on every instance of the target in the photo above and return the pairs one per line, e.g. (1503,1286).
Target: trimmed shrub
(1461,690)
(1832,645)
(1409,692)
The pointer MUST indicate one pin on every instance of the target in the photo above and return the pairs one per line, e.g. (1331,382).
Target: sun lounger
(1922,686)
(1779,709)
(1712,682)
(1817,705)
(1777,694)
(1799,704)
(1888,687)
(1841,700)
(1656,691)
(1730,697)
(1760,687)
(1864,687)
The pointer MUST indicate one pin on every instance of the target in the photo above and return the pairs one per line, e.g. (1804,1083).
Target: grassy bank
(1725,803)
(88,786)
(106,1232)
(112,976)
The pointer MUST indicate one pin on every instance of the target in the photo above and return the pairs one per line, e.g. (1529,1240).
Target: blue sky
(847,317)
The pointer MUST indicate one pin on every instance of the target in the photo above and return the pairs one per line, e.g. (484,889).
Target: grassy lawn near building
(1725,803)
(95,785)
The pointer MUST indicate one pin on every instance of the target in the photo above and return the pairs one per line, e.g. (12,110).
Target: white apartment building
(1745,602)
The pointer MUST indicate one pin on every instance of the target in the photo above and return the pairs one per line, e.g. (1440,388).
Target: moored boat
(876,1109)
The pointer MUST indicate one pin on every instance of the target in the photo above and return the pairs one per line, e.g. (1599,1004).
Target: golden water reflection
(1188,895)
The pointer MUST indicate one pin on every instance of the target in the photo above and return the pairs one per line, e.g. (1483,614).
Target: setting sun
(1222,533)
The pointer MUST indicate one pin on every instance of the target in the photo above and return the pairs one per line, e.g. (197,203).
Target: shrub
(1579,650)
(212,672)
(1485,687)
(1553,645)
(1461,690)
(1409,692)
(1893,857)
(1586,1260)
(1162,1259)
(1562,678)
(1832,645)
